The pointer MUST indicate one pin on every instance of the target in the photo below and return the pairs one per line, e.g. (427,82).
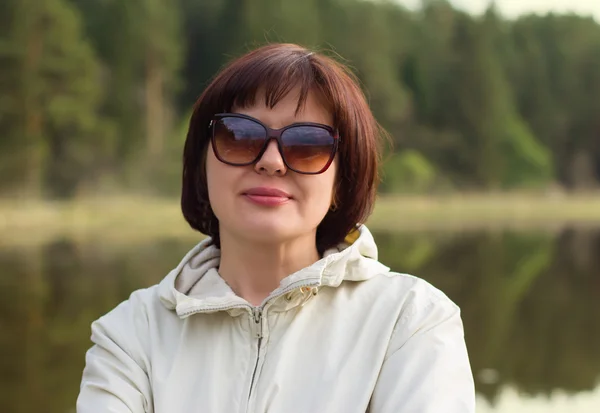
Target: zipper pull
(257,321)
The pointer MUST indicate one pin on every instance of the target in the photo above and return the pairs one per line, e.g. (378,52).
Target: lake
(530,303)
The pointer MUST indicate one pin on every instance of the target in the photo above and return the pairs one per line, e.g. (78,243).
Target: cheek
(322,191)
(218,179)
(211,173)
(330,180)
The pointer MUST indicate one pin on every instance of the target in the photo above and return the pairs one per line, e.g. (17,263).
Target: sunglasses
(241,140)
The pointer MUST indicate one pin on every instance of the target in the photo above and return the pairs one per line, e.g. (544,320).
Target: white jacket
(343,335)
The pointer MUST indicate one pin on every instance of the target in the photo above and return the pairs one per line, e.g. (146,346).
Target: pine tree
(52,89)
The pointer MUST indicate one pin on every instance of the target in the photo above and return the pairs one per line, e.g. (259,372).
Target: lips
(265,191)
(265,196)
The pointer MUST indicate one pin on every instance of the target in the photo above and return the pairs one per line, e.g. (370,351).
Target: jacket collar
(196,286)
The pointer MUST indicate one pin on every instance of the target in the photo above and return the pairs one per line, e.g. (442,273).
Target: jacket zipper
(257,314)
(295,286)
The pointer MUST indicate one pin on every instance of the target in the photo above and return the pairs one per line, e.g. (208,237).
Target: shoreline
(130,219)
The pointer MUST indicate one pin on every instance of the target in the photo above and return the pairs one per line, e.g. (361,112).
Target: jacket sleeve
(426,369)
(115,379)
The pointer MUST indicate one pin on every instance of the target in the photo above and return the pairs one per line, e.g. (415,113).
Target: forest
(95,95)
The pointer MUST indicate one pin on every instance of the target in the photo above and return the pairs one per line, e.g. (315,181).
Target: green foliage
(408,171)
(92,91)
(529,164)
(51,79)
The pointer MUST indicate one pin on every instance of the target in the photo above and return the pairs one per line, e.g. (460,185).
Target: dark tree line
(95,95)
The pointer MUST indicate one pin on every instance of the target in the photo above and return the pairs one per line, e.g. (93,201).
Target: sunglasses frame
(270,135)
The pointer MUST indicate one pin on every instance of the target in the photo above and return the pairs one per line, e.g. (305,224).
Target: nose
(271,162)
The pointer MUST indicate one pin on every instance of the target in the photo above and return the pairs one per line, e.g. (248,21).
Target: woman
(284,307)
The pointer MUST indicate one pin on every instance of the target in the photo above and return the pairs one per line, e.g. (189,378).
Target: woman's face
(235,191)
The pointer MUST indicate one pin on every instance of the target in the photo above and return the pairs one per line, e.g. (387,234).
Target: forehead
(291,108)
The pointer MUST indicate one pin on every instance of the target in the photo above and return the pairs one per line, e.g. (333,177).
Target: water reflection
(530,304)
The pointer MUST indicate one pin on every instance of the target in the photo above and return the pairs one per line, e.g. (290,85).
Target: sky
(513,8)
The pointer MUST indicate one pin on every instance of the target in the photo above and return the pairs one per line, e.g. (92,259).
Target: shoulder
(416,303)
(421,308)
(134,311)
(406,290)
(415,291)
(129,324)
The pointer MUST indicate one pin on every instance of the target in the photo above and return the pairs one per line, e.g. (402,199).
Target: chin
(270,231)
(267,228)
(268,225)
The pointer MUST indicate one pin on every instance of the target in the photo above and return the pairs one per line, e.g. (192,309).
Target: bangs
(271,75)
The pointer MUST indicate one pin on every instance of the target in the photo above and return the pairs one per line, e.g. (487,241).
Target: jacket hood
(195,285)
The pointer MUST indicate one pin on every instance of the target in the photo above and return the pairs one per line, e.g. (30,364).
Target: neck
(253,269)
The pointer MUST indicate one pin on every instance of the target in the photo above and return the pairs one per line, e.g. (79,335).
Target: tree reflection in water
(530,304)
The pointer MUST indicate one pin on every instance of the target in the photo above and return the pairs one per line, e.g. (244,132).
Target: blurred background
(490,190)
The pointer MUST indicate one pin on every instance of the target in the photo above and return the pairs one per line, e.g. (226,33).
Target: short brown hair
(274,70)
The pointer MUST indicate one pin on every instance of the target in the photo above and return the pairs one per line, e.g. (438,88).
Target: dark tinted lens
(237,140)
(307,148)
